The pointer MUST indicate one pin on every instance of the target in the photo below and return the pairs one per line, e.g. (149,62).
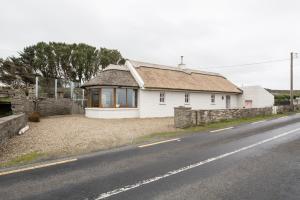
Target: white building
(256,97)
(140,90)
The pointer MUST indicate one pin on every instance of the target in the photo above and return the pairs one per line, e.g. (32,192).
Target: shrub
(34,117)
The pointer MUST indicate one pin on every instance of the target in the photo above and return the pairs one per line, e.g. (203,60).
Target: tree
(15,74)
(110,56)
(75,62)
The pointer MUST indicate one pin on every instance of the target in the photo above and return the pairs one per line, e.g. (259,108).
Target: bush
(34,117)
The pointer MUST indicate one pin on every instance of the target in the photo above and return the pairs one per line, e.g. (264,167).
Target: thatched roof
(165,77)
(113,75)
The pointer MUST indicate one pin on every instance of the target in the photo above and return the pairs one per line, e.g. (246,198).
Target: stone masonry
(186,117)
(22,103)
(10,126)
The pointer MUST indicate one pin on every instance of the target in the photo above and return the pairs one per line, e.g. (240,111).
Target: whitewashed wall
(259,96)
(150,106)
(112,113)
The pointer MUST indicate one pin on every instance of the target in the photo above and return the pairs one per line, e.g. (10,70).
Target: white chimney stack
(181,65)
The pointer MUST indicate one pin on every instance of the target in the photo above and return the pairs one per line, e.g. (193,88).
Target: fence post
(55,88)
(36,87)
(72,87)
(82,98)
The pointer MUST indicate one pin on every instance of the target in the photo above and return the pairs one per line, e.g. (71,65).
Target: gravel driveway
(72,134)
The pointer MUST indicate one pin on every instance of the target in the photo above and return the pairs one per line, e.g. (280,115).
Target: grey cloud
(207,33)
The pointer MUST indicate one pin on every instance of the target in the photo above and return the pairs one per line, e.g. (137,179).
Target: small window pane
(187,98)
(95,97)
(131,98)
(162,97)
(121,98)
(107,97)
(213,98)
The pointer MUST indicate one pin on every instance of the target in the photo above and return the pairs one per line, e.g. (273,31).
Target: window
(121,98)
(213,99)
(131,98)
(107,97)
(95,97)
(113,97)
(187,98)
(162,97)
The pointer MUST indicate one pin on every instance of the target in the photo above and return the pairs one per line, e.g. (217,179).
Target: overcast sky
(210,34)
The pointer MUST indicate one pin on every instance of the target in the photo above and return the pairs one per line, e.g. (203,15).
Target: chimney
(181,65)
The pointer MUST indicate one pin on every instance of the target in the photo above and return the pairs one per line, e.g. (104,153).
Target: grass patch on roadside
(207,127)
(23,159)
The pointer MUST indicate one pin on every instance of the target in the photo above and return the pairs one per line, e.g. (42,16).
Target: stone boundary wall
(10,126)
(285,109)
(21,103)
(186,117)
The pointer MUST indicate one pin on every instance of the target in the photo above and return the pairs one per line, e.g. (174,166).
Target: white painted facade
(256,97)
(112,113)
(150,106)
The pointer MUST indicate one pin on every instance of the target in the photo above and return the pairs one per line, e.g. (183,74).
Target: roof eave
(191,90)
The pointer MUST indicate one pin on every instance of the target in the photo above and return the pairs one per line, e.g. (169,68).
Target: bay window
(109,97)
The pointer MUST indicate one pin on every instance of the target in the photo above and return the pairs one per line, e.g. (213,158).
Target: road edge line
(160,142)
(223,129)
(37,166)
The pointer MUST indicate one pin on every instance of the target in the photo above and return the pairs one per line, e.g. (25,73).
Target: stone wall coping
(10,117)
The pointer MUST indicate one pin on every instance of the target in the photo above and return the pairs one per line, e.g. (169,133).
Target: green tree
(14,73)
(75,62)
(110,56)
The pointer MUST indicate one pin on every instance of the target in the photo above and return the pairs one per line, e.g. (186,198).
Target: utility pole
(291,79)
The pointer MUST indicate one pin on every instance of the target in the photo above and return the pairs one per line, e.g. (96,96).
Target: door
(227,101)
(248,103)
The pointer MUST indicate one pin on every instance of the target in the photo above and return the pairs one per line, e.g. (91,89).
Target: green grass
(5,100)
(23,159)
(207,127)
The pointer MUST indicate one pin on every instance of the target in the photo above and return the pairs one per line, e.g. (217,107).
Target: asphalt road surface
(251,161)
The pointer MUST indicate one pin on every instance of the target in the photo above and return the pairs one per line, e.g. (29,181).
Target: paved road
(252,161)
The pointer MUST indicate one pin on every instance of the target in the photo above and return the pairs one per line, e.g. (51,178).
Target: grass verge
(23,159)
(207,127)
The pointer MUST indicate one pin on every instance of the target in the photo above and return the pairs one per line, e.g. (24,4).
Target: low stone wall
(185,117)
(20,103)
(285,109)
(51,106)
(182,117)
(10,126)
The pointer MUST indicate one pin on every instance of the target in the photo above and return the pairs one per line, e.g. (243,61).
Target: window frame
(213,99)
(187,98)
(114,97)
(92,92)
(162,96)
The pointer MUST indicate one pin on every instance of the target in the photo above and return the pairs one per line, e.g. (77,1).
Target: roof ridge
(173,68)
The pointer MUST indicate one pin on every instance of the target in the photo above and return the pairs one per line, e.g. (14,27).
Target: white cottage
(141,90)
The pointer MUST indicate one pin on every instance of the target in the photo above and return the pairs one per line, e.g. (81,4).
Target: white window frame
(162,97)
(213,99)
(187,98)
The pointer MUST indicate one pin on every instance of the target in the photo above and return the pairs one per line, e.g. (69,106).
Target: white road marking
(155,143)
(258,122)
(223,129)
(37,166)
(147,181)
